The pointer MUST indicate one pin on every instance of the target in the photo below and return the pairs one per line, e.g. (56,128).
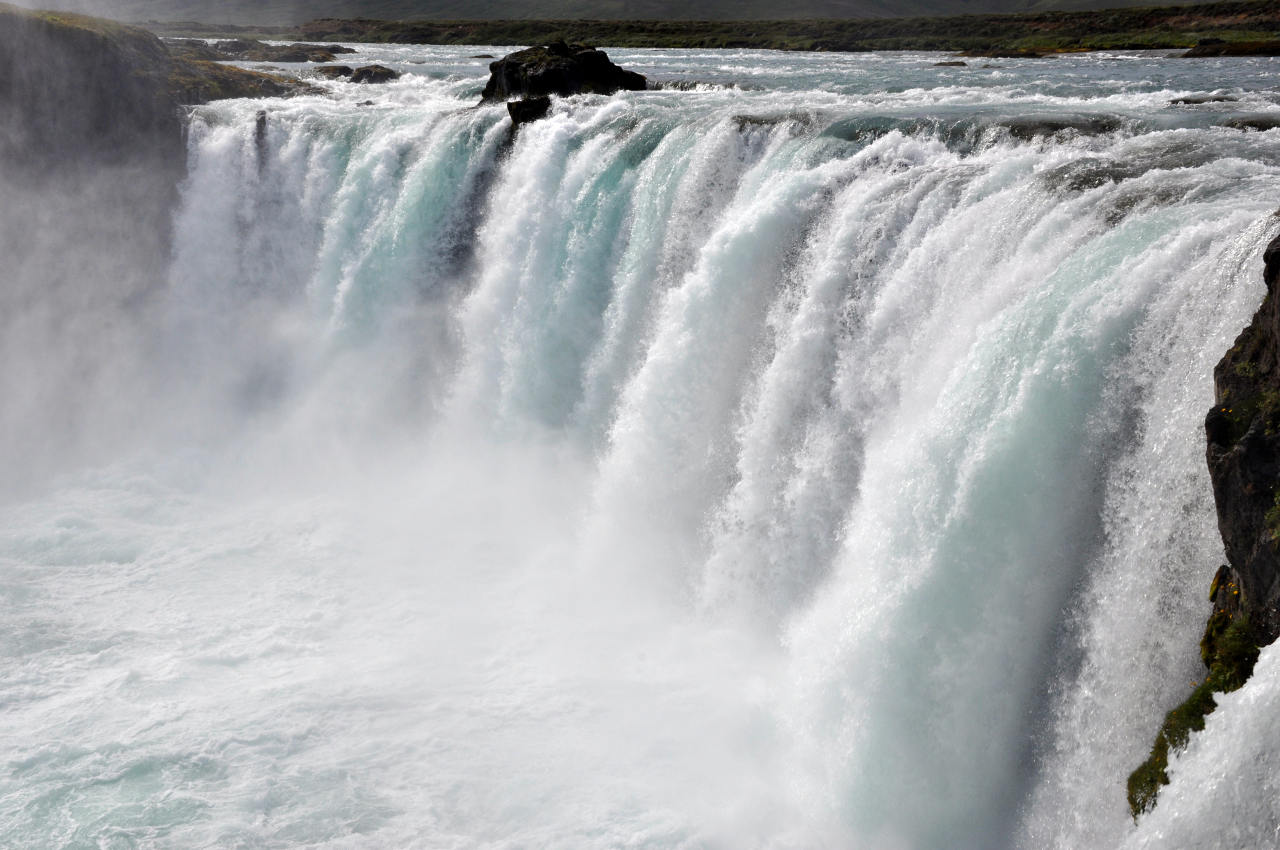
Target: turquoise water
(811,458)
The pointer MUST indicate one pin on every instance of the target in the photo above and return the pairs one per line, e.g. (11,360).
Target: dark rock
(374,74)
(1005,53)
(559,69)
(248,50)
(1211,47)
(338,49)
(951,64)
(334,72)
(529,109)
(260,131)
(484,56)
(675,85)
(236,46)
(1242,436)
(88,91)
(1243,453)
(192,48)
(1201,99)
(1039,126)
(1253,122)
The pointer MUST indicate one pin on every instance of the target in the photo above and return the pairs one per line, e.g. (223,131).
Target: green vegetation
(1230,650)
(1271,521)
(200,81)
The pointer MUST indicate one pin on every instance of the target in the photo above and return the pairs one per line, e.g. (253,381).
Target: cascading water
(811,458)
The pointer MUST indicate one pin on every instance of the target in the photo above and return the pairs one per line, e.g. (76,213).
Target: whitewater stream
(808,454)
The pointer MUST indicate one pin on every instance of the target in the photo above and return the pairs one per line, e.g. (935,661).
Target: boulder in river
(561,69)
(374,74)
(335,72)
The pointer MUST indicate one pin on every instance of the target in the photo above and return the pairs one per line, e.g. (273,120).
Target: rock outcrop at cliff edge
(71,85)
(559,69)
(76,90)
(1243,453)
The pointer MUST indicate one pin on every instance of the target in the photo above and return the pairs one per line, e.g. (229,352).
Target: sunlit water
(811,458)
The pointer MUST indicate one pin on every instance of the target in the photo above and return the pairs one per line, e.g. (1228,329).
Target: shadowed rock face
(91,154)
(530,109)
(1243,454)
(91,150)
(374,74)
(77,90)
(559,69)
(1213,47)
(1243,431)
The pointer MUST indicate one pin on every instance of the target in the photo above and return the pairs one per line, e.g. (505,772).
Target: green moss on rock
(199,81)
(1230,649)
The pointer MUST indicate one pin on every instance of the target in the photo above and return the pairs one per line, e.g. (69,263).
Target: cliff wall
(1243,453)
(1242,432)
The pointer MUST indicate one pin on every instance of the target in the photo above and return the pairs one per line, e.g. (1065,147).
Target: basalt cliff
(1242,432)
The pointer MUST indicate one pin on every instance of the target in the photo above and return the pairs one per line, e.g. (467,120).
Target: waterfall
(719,468)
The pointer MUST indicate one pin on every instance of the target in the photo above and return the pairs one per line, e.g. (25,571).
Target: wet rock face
(77,92)
(257,51)
(529,109)
(335,72)
(1243,453)
(1212,47)
(559,69)
(374,74)
(1242,432)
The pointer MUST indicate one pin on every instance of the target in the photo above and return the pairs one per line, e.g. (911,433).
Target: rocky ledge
(1242,430)
(250,50)
(365,74)
(560,69)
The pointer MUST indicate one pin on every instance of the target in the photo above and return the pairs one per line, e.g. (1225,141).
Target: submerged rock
(1253,122)
(560,69)
(1033,127)
(529,109)
(374,74)
(1202,99)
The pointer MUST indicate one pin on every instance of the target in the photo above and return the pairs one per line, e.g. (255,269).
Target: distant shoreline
(1244,27)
